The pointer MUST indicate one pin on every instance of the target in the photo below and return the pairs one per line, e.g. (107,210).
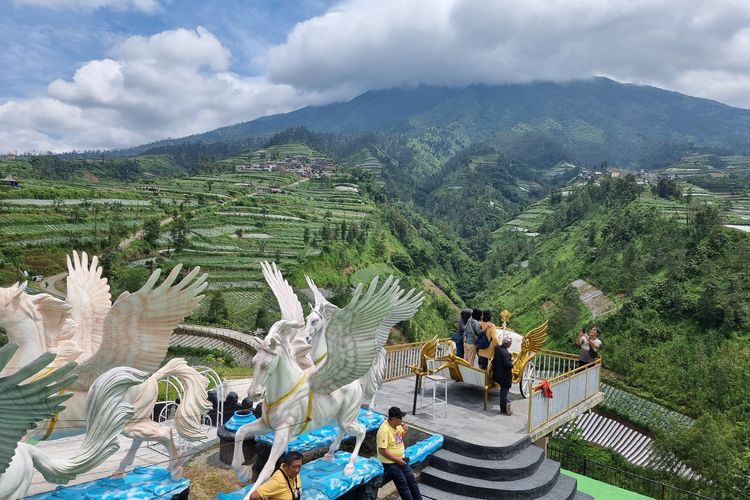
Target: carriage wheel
(528,377)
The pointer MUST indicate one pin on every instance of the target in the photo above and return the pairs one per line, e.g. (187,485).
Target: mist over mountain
(587,120)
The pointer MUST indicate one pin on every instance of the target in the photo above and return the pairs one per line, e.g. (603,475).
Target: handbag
(593,352)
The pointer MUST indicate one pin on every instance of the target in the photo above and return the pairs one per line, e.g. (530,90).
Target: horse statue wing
(22,405)
(352,338)
(291,309)
(89,299)
(137,329)
(404,309)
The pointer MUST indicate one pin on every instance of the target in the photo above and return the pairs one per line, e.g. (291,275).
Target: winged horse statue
(29,396)
(322,313)
(87,327)
(298,398)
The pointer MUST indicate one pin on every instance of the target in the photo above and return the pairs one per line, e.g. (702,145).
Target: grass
(599,489)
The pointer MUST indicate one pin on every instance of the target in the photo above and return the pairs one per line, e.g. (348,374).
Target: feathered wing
(351,336)
(404,309)
(534,340)
(136,331)
(23,405)
(291,309)
(89,299)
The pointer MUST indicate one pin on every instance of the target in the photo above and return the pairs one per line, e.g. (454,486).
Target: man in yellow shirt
(390,439)
(285,483)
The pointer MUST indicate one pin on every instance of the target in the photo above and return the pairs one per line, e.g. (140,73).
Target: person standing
(470,336)
(589,344)
(491,331)
(285,483)
(390,441)
(458,336)
(502,373)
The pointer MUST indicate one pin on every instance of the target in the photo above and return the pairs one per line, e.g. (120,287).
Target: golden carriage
(523,349)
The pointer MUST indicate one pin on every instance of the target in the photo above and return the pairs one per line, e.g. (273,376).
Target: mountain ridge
(592,120)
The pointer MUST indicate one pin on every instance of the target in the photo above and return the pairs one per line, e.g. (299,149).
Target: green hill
(587,120)
(679,330)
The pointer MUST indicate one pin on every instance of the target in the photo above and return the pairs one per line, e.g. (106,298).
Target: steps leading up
(532,486)
(462,470)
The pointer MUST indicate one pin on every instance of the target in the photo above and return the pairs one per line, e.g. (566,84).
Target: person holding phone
(390,441)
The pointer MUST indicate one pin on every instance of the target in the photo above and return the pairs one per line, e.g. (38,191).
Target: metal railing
(399,357)
(570,389)
(621,478)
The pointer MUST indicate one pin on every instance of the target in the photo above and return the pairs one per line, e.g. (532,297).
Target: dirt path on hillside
(598,303)
(435,290)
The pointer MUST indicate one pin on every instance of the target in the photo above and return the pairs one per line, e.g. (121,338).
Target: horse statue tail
(373,379)
(107,411)
(194,403)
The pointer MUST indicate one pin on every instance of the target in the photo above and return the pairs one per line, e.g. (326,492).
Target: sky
(101,74)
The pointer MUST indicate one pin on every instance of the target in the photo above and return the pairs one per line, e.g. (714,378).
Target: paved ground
(466,419)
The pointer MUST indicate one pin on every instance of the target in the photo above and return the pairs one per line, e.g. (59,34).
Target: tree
(306,235)
(178,233)
(238,232)
(151,231)
(217,308)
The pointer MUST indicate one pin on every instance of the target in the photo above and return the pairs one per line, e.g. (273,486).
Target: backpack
(481,340)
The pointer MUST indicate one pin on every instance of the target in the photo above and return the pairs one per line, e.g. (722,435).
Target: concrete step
(565,488)
(484,452)
(522,464)
(542,481)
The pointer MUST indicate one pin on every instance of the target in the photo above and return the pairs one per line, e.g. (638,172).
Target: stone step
(534,486)
(522,464)
(565,488)
(485,452)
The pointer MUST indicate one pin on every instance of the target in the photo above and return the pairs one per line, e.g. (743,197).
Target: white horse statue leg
(106,413)
(187,419)
(254,428)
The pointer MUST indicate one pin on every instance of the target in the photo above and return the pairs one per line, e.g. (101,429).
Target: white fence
(570,390)
(399,357)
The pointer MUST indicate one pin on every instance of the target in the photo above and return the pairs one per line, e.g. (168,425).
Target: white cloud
(174,83)
(181,82)
(142,5)
(366,44)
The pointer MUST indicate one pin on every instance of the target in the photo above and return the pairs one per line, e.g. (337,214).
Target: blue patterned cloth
(422,449)
(143,483)
(324,436)
(324,480)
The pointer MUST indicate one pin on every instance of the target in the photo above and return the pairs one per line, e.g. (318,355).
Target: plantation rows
(642,412)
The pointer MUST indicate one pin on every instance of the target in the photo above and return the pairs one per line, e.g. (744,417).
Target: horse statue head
(317,321)
(15,304)
(265,363)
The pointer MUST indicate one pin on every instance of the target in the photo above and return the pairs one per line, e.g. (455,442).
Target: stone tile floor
(466,419)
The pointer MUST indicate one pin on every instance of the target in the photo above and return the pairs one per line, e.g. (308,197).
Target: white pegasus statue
(299,399)
(332,389)
(28,397)
(89,328)
(187,419)
(405,308)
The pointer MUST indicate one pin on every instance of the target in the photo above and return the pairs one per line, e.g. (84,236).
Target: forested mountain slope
(680,333)
(587,120)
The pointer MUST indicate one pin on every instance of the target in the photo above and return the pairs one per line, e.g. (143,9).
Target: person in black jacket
(502,373)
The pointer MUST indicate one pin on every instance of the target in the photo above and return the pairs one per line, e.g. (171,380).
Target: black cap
(395,411)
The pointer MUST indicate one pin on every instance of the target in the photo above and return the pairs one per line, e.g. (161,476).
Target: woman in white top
(587,342)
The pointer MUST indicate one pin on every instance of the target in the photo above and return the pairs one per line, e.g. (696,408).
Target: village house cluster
(298,164)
